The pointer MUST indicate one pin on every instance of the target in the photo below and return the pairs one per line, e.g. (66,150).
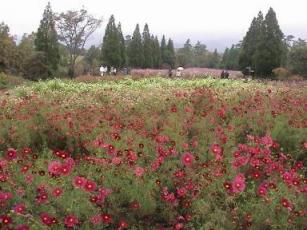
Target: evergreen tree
(135,49)
(163,50)
(270,47)
(170,55)
(156,52)
(230,58)
(263,47)
(298,58)
(46,41)
(200,51)
(185,55)
(7,50)
(122,45)
(111,50)
(250,42)
(147,44)
(92,57)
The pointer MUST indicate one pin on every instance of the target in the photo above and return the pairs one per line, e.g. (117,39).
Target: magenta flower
(11,154)
(79,181)
(54,167)
(217,151)
(238,183)
(139,171)
(187,159)
(71,221)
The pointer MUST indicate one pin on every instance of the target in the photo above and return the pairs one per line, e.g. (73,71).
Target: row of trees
(57,48)
(139,51)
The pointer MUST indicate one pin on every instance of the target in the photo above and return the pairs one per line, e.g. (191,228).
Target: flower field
(153,154)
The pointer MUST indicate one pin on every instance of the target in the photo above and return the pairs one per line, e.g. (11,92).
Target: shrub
(281,73)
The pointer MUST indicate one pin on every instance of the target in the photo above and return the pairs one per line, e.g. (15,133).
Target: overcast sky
(218,23)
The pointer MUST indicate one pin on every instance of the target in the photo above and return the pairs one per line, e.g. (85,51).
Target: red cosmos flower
(238,184)
(135,205)
(61,154)
(79,182)
(90,186)
(26,151)
(262,190)
(22,227)
(267,141)
(11,154)
(116,161)
(103,193)
(256,175)
(29,178)
(106,218)
(286,203)
(122,224)
(57,192)
(179,174)
(139,171)
(19,208)
(54,167)
(239,162)
(181,192)
(5,220)
(187,159)
(4,177)
(71,221)
(24,168)
(217,151)
(4,196)
(47,219)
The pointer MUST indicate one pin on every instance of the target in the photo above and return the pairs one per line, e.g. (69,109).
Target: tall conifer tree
(135,49)
(111,48)
(147,44)
(46,41)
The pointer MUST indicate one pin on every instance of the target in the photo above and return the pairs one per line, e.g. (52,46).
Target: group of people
(104,70)
(225,74)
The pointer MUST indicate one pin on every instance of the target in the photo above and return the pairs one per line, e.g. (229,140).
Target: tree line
(57,48)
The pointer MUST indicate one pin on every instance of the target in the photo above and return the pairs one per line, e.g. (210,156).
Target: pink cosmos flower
(71,221)
(181,192)
(19,208)
(90,186)
(187,159)
(106,218)
(54,167)
(47,219)
(139,171)
(263,189)
(116,161)
(238,183)
(79,181)
(57,192)
(103,193)
(11,154)
(217,151)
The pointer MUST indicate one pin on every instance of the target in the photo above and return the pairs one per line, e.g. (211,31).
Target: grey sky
(217,23)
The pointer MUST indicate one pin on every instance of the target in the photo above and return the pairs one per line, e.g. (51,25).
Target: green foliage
(147,48)
(298,58)
(135,49)
(230,58)
(46,42)
(112,47)
(263,46)
(35,67)
(7,50)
